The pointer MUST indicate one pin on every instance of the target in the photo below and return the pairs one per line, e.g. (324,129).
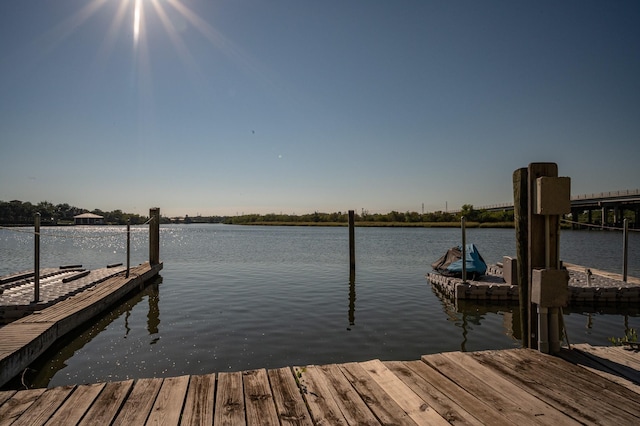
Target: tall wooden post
(625,248)
(154,236)
(128,246)
(521,218)
(36,259)
(549,198)
(352,243)
(537,244)
(463,222)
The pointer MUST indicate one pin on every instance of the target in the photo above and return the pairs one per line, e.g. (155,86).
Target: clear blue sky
(221,107)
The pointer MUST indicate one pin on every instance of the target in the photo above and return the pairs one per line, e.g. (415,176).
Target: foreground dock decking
(25,339)
(587,385)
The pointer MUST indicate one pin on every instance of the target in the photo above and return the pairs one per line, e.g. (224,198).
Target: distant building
(88,219)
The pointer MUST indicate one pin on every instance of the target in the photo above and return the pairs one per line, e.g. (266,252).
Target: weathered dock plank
(43,408)
(507,387)
(13,408)
(75,407)
(563,389)
(536,408)
(137,407)
(169,402)
(229,408)
(289,403)
(259,402)
(416,408)
(352,407)
(318,394)
(448,409)
(379,402)
(486,413)
(106,406)
(198,408)
(605,367)
(495,391)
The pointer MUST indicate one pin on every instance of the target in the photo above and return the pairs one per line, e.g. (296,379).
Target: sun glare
(136,22)
(174,17)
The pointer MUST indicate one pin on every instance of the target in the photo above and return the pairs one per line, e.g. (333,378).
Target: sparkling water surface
(237,297)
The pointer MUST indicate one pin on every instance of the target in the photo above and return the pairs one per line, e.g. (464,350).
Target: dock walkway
(23,340)
(587,385)
(56,284)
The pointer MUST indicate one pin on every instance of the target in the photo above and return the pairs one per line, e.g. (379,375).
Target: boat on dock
(452,264)
(499,283)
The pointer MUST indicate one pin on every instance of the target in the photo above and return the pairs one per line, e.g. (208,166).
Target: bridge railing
(610,194)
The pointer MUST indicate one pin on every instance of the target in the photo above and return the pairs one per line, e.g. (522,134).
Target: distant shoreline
(363,224)
(388,224)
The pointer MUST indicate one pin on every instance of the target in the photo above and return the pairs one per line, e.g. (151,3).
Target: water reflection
(153,317)
(580,320)
(352,299)
(467,314)
(55,359)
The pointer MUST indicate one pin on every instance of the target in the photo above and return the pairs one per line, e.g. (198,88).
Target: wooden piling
(36,259)
(128,246)
(625,249)
(352,242)
(536,238)
(154,235)
(520,213)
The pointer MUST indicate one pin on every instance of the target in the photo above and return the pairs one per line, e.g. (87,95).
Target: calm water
(234,298)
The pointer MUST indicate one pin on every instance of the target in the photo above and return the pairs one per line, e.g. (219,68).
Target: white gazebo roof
(88,216)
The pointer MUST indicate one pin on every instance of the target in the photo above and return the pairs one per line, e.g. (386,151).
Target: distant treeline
(23,213)
(393,217)
(19,213)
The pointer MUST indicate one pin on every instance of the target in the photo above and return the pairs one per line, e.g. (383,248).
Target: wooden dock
(587,385)
(23,340)
(586,285)
(56,284)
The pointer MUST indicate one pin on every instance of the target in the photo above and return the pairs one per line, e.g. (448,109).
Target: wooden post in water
(463,227)
(128,246)
(352,243)
(154,235)
(36,259)
(625,248)
(520,213)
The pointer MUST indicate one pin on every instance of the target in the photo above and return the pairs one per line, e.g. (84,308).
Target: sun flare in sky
(136,22)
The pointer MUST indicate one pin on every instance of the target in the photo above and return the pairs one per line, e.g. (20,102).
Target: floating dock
(25,339)
(56,284)
(586,285)
(586,385)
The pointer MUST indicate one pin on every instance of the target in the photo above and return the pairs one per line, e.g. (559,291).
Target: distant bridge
(610,205)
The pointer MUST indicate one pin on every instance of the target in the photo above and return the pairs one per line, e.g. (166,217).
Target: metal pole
(128,245)
(625,249)
(543,330)
(36,260)
(464,249)
(554,330)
